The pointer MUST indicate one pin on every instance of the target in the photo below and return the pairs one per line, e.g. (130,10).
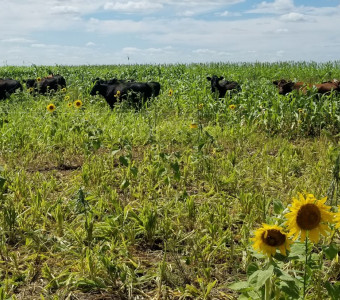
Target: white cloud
(133,6)
(280,53)
(281,30)
(276,7)
(17,40)
(228,14)
(204,51)
(119,26)
(186,13)
(224,14)
(295,17)
(38,45)
(64,9)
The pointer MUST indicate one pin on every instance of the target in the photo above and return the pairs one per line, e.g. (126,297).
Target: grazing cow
(222,86)
(155,87)
(46,84)
(286,87)
(8,86)
(121,90)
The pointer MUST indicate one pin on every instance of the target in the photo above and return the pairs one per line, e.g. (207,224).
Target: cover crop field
(163,202)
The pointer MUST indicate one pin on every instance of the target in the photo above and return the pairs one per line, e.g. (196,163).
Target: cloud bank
(166,31)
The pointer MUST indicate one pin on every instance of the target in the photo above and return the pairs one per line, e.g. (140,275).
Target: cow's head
(336,83)
(30,83)
(214,82)
(96,85)
(284,86)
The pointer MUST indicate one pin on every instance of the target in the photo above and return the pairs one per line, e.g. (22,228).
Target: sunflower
(232,106)
(63,90)
(269,238)
(51,107)
(308,214)
(38,79)
(69,104)
(193,126)
(171,92)
(66,98)
(78,103)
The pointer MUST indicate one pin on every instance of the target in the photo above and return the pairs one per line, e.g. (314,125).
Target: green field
(161,203)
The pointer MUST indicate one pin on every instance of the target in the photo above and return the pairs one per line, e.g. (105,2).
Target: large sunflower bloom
(308,214)
(269,238)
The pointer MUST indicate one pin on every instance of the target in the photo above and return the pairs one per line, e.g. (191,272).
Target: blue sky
(73,32)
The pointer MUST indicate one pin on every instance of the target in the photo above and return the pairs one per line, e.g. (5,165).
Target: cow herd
(115,90)
(286,87)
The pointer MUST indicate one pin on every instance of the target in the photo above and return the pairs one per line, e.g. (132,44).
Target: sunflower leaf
(239,286)
(331,251)
(290,288)
(278,206)
(333,290)
(253,267)
(263,276)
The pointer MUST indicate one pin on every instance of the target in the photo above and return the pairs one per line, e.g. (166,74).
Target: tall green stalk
(306,265)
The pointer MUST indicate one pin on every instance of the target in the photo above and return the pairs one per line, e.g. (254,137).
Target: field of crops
(162,202)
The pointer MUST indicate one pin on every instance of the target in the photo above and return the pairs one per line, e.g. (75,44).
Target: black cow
(8,86)
(46,84)
(222,86)
(121,90)
(155,86)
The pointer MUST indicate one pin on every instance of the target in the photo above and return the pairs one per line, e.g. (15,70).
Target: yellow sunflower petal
(314,235)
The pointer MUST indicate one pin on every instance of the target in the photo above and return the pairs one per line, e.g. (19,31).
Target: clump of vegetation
(163,202)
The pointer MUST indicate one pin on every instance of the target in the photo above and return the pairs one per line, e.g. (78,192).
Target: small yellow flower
(69,104)
(171,92)
(300,110)
(117,94)
(38,79)
(308,214)
(67,98)
(193,126)
(30,90)
(232,106)
(51,107)
(78,103)
(200,106)
(269,238)
(63,90)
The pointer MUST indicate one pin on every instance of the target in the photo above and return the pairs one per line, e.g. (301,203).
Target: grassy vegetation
(144,205)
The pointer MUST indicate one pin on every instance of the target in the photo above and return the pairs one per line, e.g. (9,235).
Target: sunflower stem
(306,264)
(267,290)
(267,287)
